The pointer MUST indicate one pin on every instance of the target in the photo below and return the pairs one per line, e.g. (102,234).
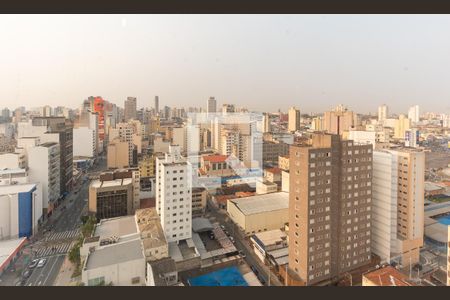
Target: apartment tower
(329,208)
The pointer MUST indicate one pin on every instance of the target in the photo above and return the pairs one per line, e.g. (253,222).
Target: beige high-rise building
(383,113)
(339,120)
(118,154)
(398,204)
(294,119)
(401,125)
(329,208)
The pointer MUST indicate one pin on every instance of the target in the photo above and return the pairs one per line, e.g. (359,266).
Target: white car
(41,263)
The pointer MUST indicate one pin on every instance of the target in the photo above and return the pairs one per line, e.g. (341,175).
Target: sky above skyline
(263,62)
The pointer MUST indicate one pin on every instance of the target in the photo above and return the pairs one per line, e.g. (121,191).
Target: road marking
(49,272)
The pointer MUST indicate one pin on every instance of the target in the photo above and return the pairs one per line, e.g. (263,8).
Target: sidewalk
(64,277)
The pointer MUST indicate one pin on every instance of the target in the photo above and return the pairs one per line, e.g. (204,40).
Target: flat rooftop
(262,203)
(111,183)
(16,188)
(116,226)
(271,237)
(8,248)
(115,254)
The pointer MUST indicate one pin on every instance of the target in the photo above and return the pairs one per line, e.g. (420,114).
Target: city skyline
(262,62)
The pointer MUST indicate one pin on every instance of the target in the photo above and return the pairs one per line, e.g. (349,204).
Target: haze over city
(263,62)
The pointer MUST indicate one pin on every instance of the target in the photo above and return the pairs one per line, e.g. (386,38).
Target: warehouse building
(260,213)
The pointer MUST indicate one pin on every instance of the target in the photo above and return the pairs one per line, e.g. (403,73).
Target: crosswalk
(54,250)
(62,235)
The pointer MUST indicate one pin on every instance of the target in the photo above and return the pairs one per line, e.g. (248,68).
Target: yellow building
(147,166)
(401,125)
(260,213)
(118,155)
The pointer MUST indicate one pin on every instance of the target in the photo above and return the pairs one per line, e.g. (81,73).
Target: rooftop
(215,158)
(273,170)
(116,226)
(262,203)
(8,248)
(115,254)
(161,267)
(111,183)
(387,276)
(271,237)
(16,188)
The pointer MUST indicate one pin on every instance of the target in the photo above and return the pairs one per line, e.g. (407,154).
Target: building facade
(330,208)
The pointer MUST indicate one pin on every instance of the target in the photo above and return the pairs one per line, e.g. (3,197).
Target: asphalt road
(67,219)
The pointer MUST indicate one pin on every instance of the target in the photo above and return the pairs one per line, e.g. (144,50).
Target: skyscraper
(329,207)
(382,113)
(211,106)
(294,119)
(156,105)
(130,109)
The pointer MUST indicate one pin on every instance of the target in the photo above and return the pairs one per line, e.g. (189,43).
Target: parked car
(41,263)
(33,264)
(223,227)
(232,239)
(243,255)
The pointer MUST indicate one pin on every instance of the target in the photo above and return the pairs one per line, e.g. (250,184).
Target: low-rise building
(273,175)
(272,246)
(265,187)
(215,165)
(111,198)
(385,276)
(260,213)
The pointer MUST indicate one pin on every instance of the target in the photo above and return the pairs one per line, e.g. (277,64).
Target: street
(59,233)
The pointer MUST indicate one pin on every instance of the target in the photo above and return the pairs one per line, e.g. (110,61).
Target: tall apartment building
(89,120)
(401,125)
(398,204)
(383,113)
(44,167)
(147,166)
(211,106)
(414,114)
(174,195)
(294,119)
(118,154)
(329,207)
(267,126)
(339,120)
(130,107)
(56,130)
(130,133)
(271,150)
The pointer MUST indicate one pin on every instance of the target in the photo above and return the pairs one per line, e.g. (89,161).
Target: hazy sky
(263,62)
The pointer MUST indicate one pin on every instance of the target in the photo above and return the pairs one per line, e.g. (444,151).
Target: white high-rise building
(398,204)
(44,167)
(382,113)
(173,195)
(413,114)
(84,142)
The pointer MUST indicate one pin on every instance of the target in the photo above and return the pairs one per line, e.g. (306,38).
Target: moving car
(27,273)
(33,263)
(41,263)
